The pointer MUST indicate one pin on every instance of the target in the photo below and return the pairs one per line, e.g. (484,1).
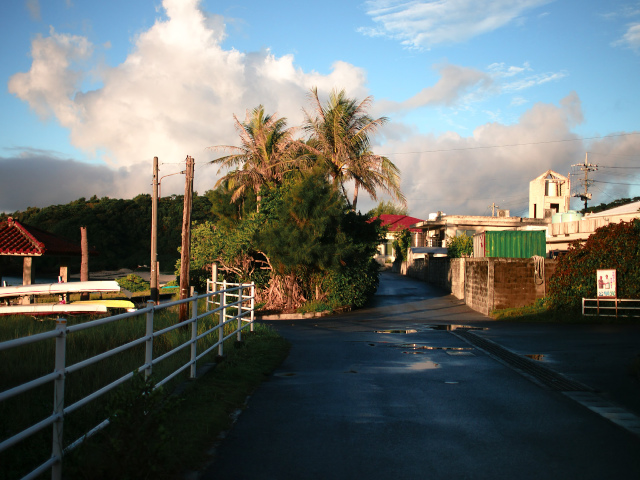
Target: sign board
(606,282)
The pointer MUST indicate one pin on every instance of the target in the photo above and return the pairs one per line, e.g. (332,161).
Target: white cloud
(454,85)
(631,39)
(532,81)
(173,96)
(53,79)
(176,94)
(500,70)
(423,24)
(462,175)
(461,87)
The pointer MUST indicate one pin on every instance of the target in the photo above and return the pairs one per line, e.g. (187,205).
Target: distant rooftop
(633,207)
(398,222)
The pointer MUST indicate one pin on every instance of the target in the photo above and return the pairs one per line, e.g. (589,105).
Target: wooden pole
(154,235)
(185,251)
(84,263)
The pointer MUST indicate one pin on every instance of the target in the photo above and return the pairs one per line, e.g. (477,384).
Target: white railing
(623,307)
(216,298)
(242,303)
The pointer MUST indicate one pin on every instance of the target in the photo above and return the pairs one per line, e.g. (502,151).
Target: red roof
(20,239)
(398,222)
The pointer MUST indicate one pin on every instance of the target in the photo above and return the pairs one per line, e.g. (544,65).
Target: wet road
(392,391)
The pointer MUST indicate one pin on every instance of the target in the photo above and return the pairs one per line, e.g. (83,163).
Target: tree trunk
(355,196)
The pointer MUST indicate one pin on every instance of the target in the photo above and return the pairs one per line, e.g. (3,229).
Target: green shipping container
(510,244)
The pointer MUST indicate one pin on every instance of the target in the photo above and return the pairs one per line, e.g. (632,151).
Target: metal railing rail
(590,304)
(219,298)
(244,304)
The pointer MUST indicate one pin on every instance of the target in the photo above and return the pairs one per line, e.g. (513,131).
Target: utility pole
(586,168)
(154,235)
(493,207)
(185,251)
(84,262)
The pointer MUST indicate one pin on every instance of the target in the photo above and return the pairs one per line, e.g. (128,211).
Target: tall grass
(22,364)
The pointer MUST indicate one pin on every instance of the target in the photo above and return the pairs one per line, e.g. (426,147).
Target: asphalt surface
(396,390)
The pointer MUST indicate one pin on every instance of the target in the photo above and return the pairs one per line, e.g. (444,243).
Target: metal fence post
(253,304)
(58,397)
(222,315)
(239,334)
(194,334)
(148,355)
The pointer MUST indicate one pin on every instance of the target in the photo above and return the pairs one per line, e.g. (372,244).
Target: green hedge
(614,246)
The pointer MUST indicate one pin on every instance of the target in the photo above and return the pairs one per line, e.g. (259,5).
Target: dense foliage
(401,244)
(389,208)
(614,246)
(304,244)
(459,246)
(120,230)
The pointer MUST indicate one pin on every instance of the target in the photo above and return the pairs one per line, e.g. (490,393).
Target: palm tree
(341,133)
(372,172)
(268,150)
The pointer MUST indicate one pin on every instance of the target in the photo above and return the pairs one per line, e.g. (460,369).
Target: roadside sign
(606,282)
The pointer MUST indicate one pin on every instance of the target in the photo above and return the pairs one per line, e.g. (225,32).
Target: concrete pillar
(28,276)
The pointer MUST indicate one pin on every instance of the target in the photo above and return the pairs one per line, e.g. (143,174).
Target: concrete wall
(487,284)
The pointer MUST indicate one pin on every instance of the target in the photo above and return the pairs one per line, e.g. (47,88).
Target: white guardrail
(216,301)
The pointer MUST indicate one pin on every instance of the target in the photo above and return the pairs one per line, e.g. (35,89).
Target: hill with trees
(120,230)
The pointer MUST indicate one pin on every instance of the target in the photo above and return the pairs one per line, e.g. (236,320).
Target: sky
(481,96)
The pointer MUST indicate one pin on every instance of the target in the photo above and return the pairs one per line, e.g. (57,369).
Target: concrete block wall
(476,291)
(514,284)
(438,272)
(457,274)
(487,284)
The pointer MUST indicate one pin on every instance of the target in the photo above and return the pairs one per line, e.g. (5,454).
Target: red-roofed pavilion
(20,240)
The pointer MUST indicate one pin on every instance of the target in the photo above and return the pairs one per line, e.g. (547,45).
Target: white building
(549,193)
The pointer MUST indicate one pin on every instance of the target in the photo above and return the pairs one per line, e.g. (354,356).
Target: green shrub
(614,246)
(133,283)
(459,246)
(352,285)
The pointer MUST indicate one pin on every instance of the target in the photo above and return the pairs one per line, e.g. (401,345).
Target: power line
(605,166)
(512,144)
(617,183)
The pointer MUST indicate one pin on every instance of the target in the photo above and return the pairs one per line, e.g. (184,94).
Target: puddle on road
(536,356)
(424,328)
(455,327)
(417,346)
(397,331)
(424,365)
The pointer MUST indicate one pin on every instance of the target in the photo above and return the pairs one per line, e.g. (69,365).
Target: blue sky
(482,96)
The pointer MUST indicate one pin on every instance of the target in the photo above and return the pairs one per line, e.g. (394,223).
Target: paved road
(394,391)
